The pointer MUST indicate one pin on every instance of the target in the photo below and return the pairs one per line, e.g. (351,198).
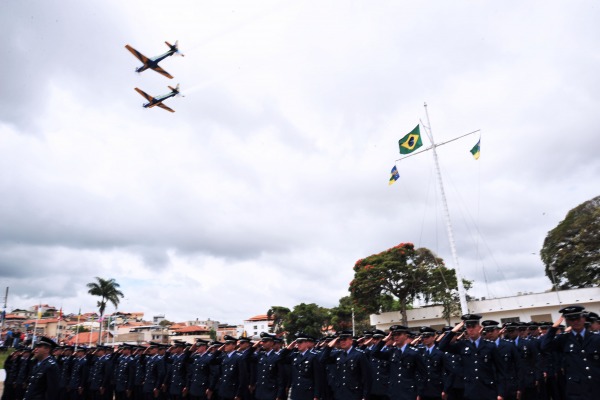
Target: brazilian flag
(411,141)
(476,150)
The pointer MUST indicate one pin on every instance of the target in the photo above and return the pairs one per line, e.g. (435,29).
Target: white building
(257,324)
(537,307)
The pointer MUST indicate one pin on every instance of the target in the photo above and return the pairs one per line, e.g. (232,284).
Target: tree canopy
(307,318)
(401,274)
(572,249)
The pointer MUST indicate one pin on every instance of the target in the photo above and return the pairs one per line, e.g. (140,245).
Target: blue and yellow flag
(394,175)
(411,141)
(476,149)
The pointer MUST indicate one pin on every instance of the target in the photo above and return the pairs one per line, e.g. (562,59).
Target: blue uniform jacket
(484,375)
(581,362)
(352,374)
(43,381)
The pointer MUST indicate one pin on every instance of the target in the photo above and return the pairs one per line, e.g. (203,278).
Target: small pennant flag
(475,150)
(411,141)
(394,175)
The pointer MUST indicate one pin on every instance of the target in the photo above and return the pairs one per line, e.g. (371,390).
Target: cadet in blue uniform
(43,382)
(353,374)
(483,372)
(11,366)
(406,366)
(79,375)
(233,379)
(431,386)
(380,368)
(268,382)
(23,372)
(176,377)
(306,374)
(153,372)
(581,354)
(202,376)
(99,376)
(65,363)
(139,359)
(509,358)
(124,373)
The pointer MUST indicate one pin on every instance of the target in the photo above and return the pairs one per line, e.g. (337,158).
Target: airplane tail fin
(176,90)
(175,48)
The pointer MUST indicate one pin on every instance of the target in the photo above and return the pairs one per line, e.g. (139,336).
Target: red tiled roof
(262,317)
(188,329)
(86,337)
(15,316)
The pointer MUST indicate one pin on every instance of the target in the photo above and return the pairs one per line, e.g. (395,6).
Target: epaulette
(359,350)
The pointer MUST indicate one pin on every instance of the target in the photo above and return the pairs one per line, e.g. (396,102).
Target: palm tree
(108,291)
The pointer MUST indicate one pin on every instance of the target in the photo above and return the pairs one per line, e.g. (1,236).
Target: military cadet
(11,366)
(163,364)
(380,369)
(246,350)
(581,354)
(529,351)
(65,363)
(406,366)
(353,374)
(268,381)
(234,374)
(306,374)
(454,380)
(153,372)
(431,386)
(201,378)
(594,321)
(79,375)
(26,362)
(483,372)
(284,365)
(43,382)
(176,377)
(139,360)
(99,374)
(509,358)
(124,373)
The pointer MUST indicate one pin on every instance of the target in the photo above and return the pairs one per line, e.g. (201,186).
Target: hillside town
(23,325)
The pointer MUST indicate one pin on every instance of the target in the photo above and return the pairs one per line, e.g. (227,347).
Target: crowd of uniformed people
(475,360)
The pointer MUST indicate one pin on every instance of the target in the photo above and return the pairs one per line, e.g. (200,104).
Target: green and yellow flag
(411,141)
(475,150)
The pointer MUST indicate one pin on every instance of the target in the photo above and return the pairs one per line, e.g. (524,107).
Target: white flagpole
(77,329)
(461,288)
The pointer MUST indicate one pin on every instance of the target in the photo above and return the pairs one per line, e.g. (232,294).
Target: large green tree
(572,249)
(108,291)
(308,318)
(341,316)
(404,274)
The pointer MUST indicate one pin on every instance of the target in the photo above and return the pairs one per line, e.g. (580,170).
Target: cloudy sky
(271,178)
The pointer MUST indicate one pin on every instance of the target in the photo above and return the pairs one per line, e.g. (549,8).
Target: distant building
(144,334)
(537,307)
(209,323)
(190,334)
(226,329)
(255,325)
(157,319)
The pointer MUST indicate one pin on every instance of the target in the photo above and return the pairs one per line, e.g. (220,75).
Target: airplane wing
(161,105)
(162,72)
(146,95)
(137,54)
